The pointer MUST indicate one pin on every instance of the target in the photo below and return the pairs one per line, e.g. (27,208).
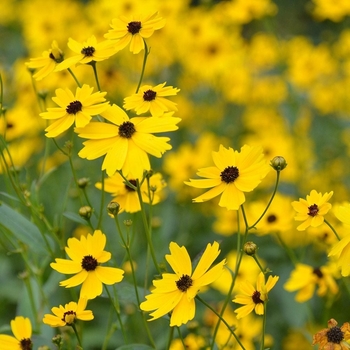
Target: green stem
(170,338)
(332,228)
(262,347)
(93,65)
(77,335)
(102,203)
(74,77)
(143,66)
(222,320)
(258,263)
(289,251)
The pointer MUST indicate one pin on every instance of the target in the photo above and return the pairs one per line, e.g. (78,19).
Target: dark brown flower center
(184,283)
(89,263)
(271,218)
(229,174)
(69,317)
(317,271)
(128,188)
(26,344)
(74,107)
(126,130)
(335,335)
(88,51)
(134,27)
(149,95)
(313,210)
(256,297)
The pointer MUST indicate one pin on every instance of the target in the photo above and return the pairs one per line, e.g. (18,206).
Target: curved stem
(258,263)
(93,65)
(143,65)
(74,77)
(170,338)
(76,334)
(332,228)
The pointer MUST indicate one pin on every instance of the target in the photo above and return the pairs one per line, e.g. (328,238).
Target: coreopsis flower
(87,52)
(126,196)
(47,63)
(125,142)
(305,278)
(68,314)
(341,250)
(254,298)
(233,174)
(134,30)
(78,109)
(175,292)
(312,210)
(87,254)
(152,98)
(22,331)
(333,337)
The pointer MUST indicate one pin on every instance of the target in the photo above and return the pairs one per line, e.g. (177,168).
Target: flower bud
(83,182)
(113,208)
(278,163)
(57,340)
(128,222)
(56,53)
(85,212)
(250,248)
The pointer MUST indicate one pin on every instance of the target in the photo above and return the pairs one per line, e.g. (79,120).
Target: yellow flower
(233,174)
(176,291)
(78,108)
(67,315)
(254,298)
(152,98)
(86,255)
(87,52)
(134,30)
(305,278)
(22,331)
(127,197)
(312,210)
(333,337)
(125,142)
(47,63)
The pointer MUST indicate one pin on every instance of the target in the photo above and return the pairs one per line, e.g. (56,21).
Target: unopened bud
(278,163)
(250,248)
(57,340)
(113,208)
(128,222)
(56,54)
(85,212)
(83,182)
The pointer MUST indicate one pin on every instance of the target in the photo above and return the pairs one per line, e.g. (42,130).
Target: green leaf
(135,347)
(23,229)
(74,217)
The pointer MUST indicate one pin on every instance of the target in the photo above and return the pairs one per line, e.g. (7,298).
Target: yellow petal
(92,286)
(109,275)
(183,312)
(179,260)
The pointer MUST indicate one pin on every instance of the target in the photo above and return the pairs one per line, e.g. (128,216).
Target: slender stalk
(143,65)
(332,228)
(74,77)
(170,338)
(258,263)
(93,65)
(77,335)
(262,347)
(102,203)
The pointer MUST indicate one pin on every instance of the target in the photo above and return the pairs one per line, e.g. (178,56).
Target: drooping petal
(183,312)
(92,286)
(77,279)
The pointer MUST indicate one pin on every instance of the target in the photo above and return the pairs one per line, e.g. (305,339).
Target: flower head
(22,331)
(152,98)
(47,63)
(63,316)
(312,210)
(233,174)
(126,195)
(87,52)
(86,256)
(254,298)
(78,109)
(175,292)
(134,30)
(125,142)
(333,337)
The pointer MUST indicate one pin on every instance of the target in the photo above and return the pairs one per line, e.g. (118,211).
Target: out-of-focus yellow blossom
(127,197)
(191,341)
(312,210)
(22,330)
(233,174)
(87,52)
(133,30)
(305,278)
(334,10)
(297,339)
(152,99)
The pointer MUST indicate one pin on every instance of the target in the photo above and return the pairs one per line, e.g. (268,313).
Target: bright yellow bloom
(78,108)
(233,174)
(305,278)
(125,142)
(22,331)
(333,337)
(134,30)
(312,210)
(152,98)
(254,298)
(127,197)
(47,63)
(341,250)
(175,292)
(87,52)
(86,255)
(67,315)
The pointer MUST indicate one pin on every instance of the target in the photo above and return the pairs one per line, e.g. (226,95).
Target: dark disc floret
(256,297)
(70,312)
(313,210)
(126,130)
(88,51)
(128,188)
(149,95)
(271,218)
(74,107)
(134,27)
(335,335)
(184,283)
(26,344)
(317,271)
(229,174)
(89,263)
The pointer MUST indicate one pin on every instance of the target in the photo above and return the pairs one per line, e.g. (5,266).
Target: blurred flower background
(273,74)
